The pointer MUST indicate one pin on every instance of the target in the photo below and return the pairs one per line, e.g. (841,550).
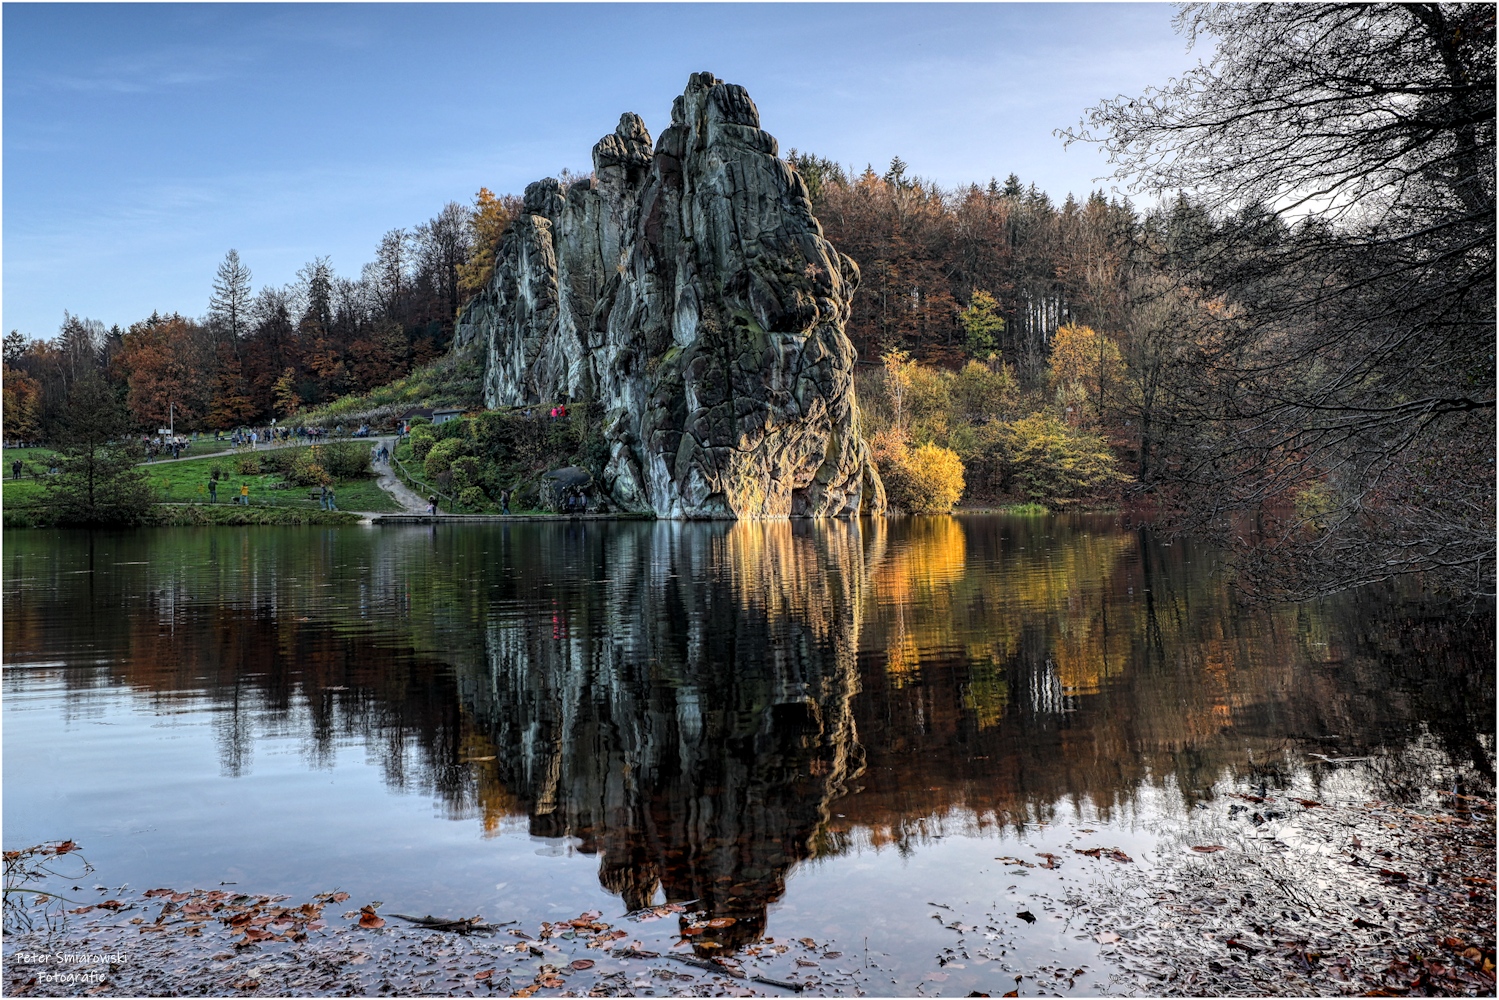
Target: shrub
(422,439)
(983,391)
(307,470)
(216,471)
(1046,459)
(464,470)
(926,480)
(472,497)
(440,457)
(346,459)
(247,465)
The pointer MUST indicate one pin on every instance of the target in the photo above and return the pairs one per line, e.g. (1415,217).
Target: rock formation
(689,292)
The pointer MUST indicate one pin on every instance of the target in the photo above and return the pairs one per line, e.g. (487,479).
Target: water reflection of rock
(695,740)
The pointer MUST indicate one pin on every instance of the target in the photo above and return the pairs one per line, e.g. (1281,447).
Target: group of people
(161,447)
(256,436)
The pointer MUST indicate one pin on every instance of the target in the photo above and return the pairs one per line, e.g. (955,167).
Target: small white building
(444,415)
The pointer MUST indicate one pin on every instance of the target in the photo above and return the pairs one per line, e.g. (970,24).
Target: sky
(141,142)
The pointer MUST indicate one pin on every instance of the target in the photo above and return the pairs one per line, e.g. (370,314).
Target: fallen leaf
(582,963)
(1027,916)
(484,975)
(722,922)
(369,920)
(552,982)
(65,847)
(1208,848)
(1012,993)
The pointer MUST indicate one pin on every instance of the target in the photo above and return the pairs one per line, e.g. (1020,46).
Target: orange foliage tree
(169,364)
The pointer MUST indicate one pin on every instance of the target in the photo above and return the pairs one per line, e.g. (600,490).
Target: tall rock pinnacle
(690,292)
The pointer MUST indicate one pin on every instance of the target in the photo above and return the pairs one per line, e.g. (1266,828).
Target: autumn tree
(22,406)
(1085,371)
(285,389)
(487,221)
(231,405)
(169,364)
(982,324)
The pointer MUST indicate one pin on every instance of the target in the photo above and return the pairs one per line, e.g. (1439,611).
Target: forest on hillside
(1289,337)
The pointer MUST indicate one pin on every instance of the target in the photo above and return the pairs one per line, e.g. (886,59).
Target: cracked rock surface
(690,291)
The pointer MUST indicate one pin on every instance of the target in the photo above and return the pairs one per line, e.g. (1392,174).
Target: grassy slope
(187,482)
(447,381)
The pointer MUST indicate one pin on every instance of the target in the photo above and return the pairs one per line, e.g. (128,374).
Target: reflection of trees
(1066,660)
(279,632)
(696,739)
(687,699)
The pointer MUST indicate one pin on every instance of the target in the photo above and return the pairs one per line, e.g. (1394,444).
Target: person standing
(432,506)
(244,494)
(504,501)
(332,498)
(213,491)
(15,469)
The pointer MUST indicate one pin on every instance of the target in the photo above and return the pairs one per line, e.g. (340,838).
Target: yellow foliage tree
(285,391)
(487,224)
(1085,370)
(898,368)
(926,480)
(1049,461)
(982,323)
(984,391)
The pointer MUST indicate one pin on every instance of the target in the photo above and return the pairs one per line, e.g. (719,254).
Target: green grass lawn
(35,458)
(187,482)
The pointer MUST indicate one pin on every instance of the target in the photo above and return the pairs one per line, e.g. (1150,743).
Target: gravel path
(387,481)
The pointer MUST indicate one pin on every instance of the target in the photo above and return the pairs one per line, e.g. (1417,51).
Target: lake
(834,730)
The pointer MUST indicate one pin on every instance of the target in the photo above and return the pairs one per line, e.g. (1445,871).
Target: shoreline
(1171,926)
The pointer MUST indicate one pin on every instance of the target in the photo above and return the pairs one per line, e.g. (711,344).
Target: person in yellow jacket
(244,494)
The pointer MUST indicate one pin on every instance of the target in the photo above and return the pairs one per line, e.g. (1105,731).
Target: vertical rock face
(690,292)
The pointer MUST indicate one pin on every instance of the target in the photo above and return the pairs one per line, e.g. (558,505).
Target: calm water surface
(818,729)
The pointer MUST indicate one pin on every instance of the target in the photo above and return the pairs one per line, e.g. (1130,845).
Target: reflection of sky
(159,136)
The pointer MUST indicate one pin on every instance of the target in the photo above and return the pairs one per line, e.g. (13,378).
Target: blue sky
(143,141)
